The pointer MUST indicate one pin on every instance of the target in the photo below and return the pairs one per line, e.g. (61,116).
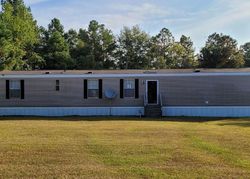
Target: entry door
(152,92)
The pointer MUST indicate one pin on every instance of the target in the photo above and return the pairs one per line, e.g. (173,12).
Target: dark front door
(152,92)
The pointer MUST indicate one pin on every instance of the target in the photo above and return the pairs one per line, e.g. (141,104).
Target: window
(93,88)
(15,89)
(129,88)
(57,85)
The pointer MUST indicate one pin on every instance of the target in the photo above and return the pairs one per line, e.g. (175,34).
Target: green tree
(221,51)
(189,59)
(133,46)
(56,26)
(175,56)
(73,41)
(55,48)
(96,47)
(15,4)
(166,53)
(84,59)
(159,47)
(246,51)
(19,35)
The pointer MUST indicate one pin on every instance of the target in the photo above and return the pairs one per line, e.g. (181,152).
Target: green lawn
(99,148)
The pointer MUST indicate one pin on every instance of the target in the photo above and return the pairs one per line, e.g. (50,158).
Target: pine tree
(96,47)
(133,46)
(221,51)
(19,35)
(55,48)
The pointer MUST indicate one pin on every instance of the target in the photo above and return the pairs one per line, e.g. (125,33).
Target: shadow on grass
(196,119)
(245,123)
(111,118)
(77,118)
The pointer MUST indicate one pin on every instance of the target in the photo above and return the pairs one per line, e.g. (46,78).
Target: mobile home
(211,93)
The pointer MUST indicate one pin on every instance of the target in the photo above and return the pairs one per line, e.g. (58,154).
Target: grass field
(99,148)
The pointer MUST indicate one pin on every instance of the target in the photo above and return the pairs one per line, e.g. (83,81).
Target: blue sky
(194,18)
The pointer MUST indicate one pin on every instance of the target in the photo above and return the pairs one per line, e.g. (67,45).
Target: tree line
(25,46)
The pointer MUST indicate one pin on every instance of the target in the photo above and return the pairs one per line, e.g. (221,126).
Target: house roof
(84,72)
(97,74)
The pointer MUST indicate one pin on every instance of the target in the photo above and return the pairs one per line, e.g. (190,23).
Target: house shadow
(240,123)
(193,119)
(77,118)
(113,118)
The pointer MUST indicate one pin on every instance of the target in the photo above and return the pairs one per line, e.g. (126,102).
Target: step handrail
(161,100)
(145,100)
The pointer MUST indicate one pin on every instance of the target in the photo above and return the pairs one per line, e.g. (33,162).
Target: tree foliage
(246,51)
(55,48)
(133,45)
(189,59)
(25,46)
(165,52)
(221,51)
(94,47)
(19,35)
(159,48)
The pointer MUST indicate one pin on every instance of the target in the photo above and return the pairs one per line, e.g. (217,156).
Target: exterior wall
(71,111)
(200,90)
(41,93)
(208,111)
(205,91)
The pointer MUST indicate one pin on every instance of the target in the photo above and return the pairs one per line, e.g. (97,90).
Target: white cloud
(32,2)
(223,16)
(114,16)
(230,13)
(129,15)
(196,21)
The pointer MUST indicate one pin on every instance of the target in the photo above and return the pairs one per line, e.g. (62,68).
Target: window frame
(124,88)
(96,89)
(57,85)
(11,89)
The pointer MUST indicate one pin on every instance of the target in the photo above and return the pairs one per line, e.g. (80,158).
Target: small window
(93,89)
(15,89)
(57,85)
(129,88)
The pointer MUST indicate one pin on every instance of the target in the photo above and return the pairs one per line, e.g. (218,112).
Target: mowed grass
(127,148)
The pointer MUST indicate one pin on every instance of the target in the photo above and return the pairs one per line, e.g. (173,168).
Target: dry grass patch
(95,148)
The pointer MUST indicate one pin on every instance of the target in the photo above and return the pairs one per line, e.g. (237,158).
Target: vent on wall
(197,71)
(149,72)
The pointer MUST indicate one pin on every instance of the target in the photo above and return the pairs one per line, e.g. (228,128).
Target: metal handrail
(161,100)
(145,100)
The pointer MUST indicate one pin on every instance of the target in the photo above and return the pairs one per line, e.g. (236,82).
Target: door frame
(158,90)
